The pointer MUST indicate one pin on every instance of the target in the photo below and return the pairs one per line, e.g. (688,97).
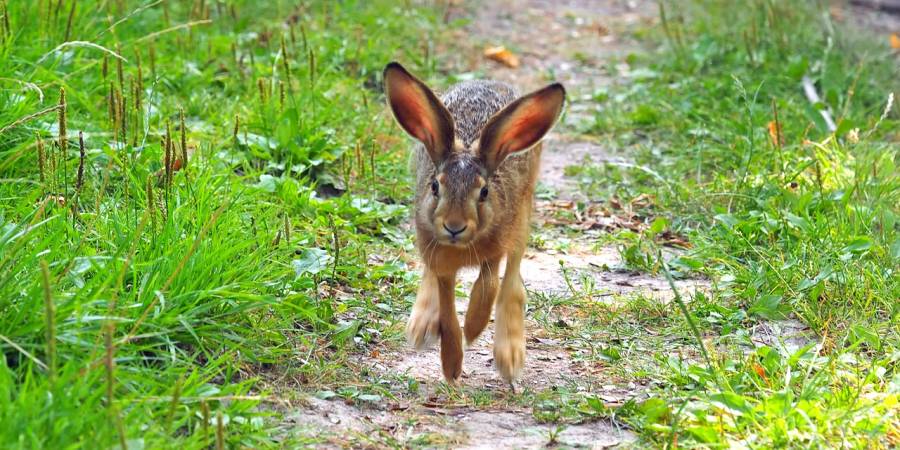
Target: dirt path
(573,42)
(582,43)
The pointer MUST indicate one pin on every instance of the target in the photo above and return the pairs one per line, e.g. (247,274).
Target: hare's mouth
(458,241)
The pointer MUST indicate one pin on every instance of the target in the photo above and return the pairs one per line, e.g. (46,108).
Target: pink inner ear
(411,112)
(525,128)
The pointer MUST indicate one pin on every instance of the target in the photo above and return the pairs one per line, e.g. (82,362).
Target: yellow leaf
(502,56)
(895,41)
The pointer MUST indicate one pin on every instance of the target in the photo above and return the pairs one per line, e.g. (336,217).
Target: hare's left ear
(521,124)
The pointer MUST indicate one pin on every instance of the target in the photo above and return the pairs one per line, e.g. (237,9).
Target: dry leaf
(895,41)
(597,216)
(502,56)
(602,30)
(641,201)
(837,13)
(177,164)
(761,372)
(775,134)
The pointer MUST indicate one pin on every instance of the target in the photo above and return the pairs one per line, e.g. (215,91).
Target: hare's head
(461,202)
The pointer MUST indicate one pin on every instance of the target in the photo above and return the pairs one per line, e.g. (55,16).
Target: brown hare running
(476,170)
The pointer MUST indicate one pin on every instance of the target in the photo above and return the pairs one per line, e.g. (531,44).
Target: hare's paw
(422,329)
(509,357)
(451,355)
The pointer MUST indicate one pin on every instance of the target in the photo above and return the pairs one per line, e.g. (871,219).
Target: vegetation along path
(205,237)
(568,259)
(584,372)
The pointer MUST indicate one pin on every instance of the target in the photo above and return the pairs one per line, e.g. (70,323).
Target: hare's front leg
(481,300)
(509,334)
(451,335)
(422,329)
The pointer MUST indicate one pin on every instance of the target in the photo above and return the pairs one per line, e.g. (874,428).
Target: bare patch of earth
(582,44)
(338,425)
(787,336)
(561,152)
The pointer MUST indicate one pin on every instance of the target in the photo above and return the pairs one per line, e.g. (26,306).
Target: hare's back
(472,103)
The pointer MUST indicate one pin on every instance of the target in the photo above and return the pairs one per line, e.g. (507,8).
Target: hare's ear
(419,111)
(521,124)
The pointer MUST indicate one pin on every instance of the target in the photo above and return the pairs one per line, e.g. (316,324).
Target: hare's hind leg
(509,329)
(451,335)
(422,329)
(481,300)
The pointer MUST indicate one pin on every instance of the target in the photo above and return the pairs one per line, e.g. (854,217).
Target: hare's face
(459,203)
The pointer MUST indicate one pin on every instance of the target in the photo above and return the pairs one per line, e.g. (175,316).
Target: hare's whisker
(432,249)
(480,270)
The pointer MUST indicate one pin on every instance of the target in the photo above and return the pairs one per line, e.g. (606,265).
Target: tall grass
(790,218)
(140,293)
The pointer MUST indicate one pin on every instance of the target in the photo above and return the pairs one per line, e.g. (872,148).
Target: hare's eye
(434,187)
(484,193)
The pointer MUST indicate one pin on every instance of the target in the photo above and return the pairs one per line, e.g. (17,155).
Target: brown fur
(495,146)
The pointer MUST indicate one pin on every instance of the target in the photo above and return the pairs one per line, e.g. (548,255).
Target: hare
(476,170)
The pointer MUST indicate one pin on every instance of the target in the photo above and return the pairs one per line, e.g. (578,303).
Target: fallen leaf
(836,13)
(761,372)
(641,201)
(602,30)
(895,41)
(177,164)
(501,55)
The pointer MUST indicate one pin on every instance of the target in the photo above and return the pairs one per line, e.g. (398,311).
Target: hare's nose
(455,229)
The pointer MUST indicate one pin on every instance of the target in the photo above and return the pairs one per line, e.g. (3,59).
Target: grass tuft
(49,322)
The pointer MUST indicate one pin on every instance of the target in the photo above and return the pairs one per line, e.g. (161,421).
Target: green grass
(181,311)
(167,298)
(801,222)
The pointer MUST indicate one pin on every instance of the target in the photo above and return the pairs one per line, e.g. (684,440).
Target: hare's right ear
(419,111)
